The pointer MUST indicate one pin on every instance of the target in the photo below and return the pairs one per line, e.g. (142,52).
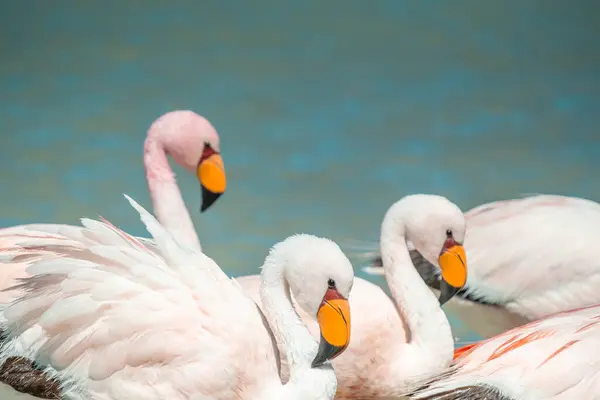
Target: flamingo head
(193,143)
(437,232)
(320,278)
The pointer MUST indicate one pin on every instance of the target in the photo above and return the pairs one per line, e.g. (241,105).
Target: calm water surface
(328,111)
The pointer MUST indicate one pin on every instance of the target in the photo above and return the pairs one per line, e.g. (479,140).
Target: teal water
(328,111)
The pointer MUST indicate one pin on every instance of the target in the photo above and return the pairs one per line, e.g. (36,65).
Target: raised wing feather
(124,321)
(20,258)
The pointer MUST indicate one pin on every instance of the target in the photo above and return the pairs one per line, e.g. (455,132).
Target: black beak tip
(326,353)
(319,360)
(447,292)
(317,363)
(208,199)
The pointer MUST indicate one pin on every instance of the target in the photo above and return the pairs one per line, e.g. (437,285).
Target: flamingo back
(537,255)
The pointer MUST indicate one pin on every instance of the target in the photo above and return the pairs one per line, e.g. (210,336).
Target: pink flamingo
(533,256)
(193,143)
(121,321)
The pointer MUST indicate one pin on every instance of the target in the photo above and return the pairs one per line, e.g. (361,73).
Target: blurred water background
(328,111)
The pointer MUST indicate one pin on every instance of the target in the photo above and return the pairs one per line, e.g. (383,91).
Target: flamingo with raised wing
(122,321)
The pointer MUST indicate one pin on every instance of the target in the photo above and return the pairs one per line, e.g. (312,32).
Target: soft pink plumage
(536,256)
(121,321)
(553,358)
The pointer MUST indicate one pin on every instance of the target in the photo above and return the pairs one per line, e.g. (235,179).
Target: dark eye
(331,283)
(207,152)
(449,233)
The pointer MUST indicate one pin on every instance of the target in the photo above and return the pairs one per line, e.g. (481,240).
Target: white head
(194,144)
(320,278)
(437,228)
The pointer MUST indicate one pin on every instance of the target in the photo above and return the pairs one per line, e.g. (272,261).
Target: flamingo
(550,358)
(398,344)
(122,321)
(534,256)
(193,143)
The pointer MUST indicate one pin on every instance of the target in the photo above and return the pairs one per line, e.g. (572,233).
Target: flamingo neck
(168,204)
(291,333)
(429,336)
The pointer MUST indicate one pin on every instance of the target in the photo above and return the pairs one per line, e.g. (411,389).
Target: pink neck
(169,207)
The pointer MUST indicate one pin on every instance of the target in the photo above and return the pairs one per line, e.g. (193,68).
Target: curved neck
(292,335)
(168,204)
(429,334)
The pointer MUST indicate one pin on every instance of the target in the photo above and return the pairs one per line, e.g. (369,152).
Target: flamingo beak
(211,174)
(334,321)
(453,263)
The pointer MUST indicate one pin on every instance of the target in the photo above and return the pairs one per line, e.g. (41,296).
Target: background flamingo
(535,256)
(193,143)
(121,321)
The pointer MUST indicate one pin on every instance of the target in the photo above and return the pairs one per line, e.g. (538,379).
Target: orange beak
(334,321)
(211,174)
(453,263)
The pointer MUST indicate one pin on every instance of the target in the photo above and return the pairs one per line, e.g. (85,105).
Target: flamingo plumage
(550,359)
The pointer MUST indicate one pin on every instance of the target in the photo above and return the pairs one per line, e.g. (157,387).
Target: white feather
(115,312)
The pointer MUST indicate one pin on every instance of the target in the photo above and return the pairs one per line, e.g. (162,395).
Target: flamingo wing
(550,358)
(535,255)
(12,272)
(118,320)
